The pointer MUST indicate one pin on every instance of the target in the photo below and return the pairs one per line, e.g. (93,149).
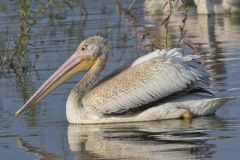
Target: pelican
(217,6)
(163,84)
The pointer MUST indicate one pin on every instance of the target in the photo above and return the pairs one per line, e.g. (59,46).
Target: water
(43,133)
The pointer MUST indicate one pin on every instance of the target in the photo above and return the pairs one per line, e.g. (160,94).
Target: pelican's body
(160,85)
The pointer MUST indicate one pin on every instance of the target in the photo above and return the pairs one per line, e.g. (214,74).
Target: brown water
(43,133)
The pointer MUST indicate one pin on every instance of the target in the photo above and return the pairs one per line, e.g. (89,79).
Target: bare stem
(4,59)
(182,28)
(167,19)
(132,5)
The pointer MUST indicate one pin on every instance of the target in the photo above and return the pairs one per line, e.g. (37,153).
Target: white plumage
(151,78)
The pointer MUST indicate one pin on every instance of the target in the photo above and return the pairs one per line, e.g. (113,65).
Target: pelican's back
(158,76)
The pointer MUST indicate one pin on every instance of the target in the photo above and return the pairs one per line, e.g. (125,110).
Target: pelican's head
(84,58)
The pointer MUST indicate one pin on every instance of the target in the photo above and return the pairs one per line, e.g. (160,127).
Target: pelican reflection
(170,139)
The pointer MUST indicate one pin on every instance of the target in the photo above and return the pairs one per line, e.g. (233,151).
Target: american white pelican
(163,84)
(217,6)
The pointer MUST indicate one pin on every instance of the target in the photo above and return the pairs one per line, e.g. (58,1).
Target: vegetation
(17,60)
(28,18)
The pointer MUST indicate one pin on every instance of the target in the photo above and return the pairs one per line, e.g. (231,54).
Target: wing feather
(150,78)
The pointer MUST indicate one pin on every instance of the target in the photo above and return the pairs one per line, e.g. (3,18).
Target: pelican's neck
(88,81)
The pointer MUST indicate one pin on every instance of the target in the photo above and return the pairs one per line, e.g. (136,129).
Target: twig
(189,43)
(132,5)
(167,19)
(49,3)
(148,40)
(182,28)
(6,49)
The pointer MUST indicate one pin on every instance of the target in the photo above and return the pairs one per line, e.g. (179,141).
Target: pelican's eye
(83,48)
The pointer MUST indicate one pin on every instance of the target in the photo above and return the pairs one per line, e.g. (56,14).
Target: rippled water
(43,133)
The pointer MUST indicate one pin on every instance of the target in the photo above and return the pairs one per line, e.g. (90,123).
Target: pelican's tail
(201,105)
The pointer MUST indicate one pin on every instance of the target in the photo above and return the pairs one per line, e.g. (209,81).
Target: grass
(16,59)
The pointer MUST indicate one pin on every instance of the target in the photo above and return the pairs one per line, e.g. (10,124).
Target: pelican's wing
(150,78)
